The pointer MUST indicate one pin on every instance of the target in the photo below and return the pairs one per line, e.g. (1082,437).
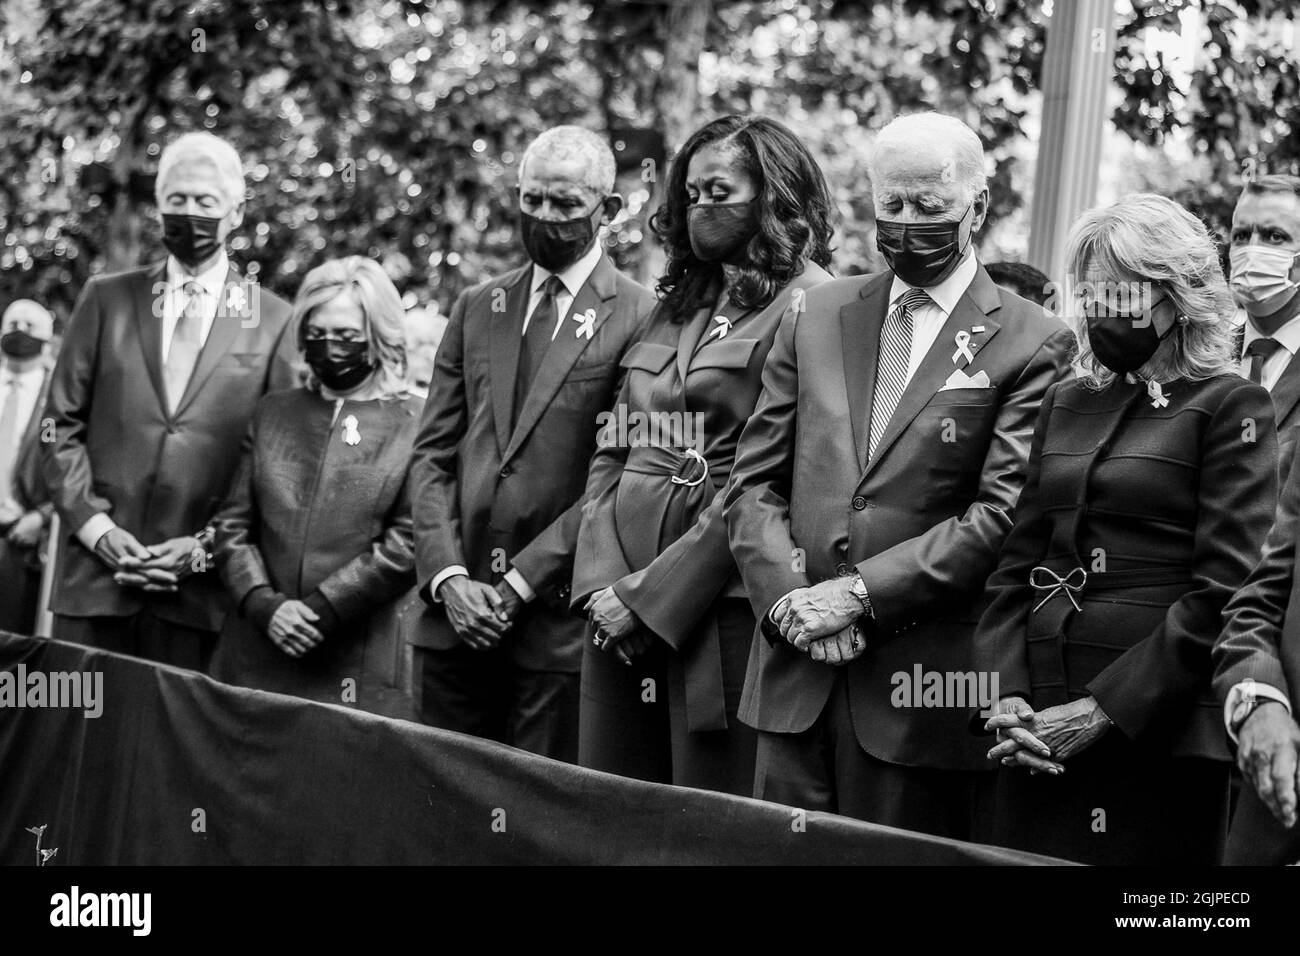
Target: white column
(1077,67)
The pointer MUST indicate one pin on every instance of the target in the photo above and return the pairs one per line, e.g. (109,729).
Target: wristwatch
(1248,705)
(207,541)
(859,589)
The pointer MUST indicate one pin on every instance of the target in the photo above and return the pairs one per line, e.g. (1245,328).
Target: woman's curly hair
(794,212)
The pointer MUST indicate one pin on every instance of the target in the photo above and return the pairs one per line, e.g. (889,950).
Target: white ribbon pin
(586,323)
(1158,399)
(351,436)
(721,329)
(962,341)
(235,299)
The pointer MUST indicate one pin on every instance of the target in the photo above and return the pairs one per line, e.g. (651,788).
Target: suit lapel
(1286,392)
(596,294)
(148,294)
(972,310)
(226,324)
(860,323)
(506,327)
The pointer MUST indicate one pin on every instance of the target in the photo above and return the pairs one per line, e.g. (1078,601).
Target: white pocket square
(959,379)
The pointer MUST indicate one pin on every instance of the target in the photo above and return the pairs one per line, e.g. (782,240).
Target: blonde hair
(381,306)
(1150,240)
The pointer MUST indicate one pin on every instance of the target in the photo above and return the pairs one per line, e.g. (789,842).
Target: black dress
(1149,512)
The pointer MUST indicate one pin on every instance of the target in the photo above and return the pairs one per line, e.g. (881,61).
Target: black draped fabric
(281,780)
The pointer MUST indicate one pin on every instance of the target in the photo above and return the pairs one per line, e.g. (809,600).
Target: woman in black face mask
(312,580)
(746,225)
(1151,485)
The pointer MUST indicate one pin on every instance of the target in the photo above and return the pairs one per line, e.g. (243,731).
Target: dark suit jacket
(662,545)
(1184,493)
(1261,624)
(488,496)
(1286,406)
(117,449)
(922,521)
(29,488)
(309,512)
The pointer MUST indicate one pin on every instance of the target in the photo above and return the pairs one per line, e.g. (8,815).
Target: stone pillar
(1077,67)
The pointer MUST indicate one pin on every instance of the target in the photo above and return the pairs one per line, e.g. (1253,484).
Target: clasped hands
(821,621)
(1268,753)
(158,568)
(616,625)
(1040,740)
(479,613)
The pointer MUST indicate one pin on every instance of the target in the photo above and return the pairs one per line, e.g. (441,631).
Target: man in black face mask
(25,333)
(155,385)
(894,498)
(527,363)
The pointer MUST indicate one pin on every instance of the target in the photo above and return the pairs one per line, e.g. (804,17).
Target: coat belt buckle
(691,453)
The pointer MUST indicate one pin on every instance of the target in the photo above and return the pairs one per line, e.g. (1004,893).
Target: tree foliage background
(393,128)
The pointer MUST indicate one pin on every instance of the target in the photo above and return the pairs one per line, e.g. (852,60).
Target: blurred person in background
(529,360)
(424,331)
(746,224)
(159,373)
(315,539)
(26,336)
(1022,279)
(1151,486)
(1264,257)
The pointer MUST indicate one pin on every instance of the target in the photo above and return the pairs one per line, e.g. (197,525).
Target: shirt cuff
(1260,690)
(95,528)
(522,588)
(771,615)
(447,572)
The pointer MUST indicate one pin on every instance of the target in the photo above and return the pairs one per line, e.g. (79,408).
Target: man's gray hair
(208,148)
(929,129)
(574,142)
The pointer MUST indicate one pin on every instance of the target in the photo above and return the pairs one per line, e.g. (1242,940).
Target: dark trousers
(483,693)
(825,768)
(1256,838)
(20,589)
(634,721)
(142,634)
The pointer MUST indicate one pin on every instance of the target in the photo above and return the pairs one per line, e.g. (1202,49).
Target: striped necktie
(891,365)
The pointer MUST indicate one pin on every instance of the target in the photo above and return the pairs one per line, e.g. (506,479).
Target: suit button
(859,503)
(172,429)
(841,569)
(505,472)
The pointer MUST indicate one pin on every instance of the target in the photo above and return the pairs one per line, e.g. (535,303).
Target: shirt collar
(947,293)
(1288,336)
(575,276)
(24,378)
(210,279)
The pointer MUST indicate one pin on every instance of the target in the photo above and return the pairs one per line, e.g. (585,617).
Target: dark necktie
(1260,351)
(537,339)
(891,364)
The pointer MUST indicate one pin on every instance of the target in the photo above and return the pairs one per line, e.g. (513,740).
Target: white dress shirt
(573,278)
(1288,336)
(211,281)
(927,322)
(27,385)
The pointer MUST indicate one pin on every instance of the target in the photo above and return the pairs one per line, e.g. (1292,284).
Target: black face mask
(1124,342)
(191,239)
(340,366)
(922,254)
(719,231)
(557,245)
(21,345)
